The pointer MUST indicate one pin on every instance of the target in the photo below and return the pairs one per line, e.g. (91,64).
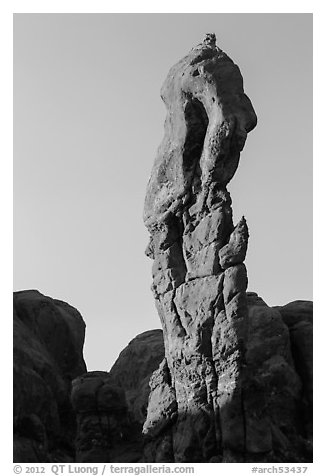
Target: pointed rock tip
(210,40)
(242,225)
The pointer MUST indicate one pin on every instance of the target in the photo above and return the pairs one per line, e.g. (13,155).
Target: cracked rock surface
(223,367)
(228,379)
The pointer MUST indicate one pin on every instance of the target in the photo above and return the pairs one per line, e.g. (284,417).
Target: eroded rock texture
(134,367)
(298,317)
(222,368)
(278,423)
(48,342)
(111,406)
(106,431)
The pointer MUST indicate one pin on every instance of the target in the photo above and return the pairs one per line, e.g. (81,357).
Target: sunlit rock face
(208,119)
(204,403)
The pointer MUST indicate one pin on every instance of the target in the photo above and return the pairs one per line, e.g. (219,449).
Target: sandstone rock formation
(275,403)
(134,367)
(298,316)
(227,389)
(275,395)
(48,344)
(106,430)
(111,406)
(229,379)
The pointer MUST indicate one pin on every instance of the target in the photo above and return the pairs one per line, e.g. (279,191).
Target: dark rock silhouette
(134,367)
(276,410)
(298,317)
(227,389)
(48,343)
(111,406)
(106,431)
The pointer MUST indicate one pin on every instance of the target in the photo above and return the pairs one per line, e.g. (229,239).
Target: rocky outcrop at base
(275,396)
(48,345)
(298,316)
(134,367)
(111,406)
(107,426)
(277,391)
(106,431)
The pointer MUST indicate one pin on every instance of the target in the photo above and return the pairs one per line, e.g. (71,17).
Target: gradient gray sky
(88,120)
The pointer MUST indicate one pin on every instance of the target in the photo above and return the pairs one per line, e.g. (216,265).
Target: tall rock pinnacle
(195,410)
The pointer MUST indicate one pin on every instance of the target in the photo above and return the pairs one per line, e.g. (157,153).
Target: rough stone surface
(106,431)
(277,406)
(48,343)
(111,406)
(274,400)
(227,389)
(298,316)
(134,367)
(230,378)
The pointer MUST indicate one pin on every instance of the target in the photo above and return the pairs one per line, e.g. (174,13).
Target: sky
(88,120)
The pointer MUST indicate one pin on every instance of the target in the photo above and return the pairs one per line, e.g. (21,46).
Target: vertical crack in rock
(196,124)
(199,279)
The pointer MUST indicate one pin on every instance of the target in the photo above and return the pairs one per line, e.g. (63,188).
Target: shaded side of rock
(106,431)
(272,390)
(134,367)
(48,342)
(298,316)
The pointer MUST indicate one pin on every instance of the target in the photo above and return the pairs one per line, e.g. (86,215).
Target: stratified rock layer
(227,378)
(48,342)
